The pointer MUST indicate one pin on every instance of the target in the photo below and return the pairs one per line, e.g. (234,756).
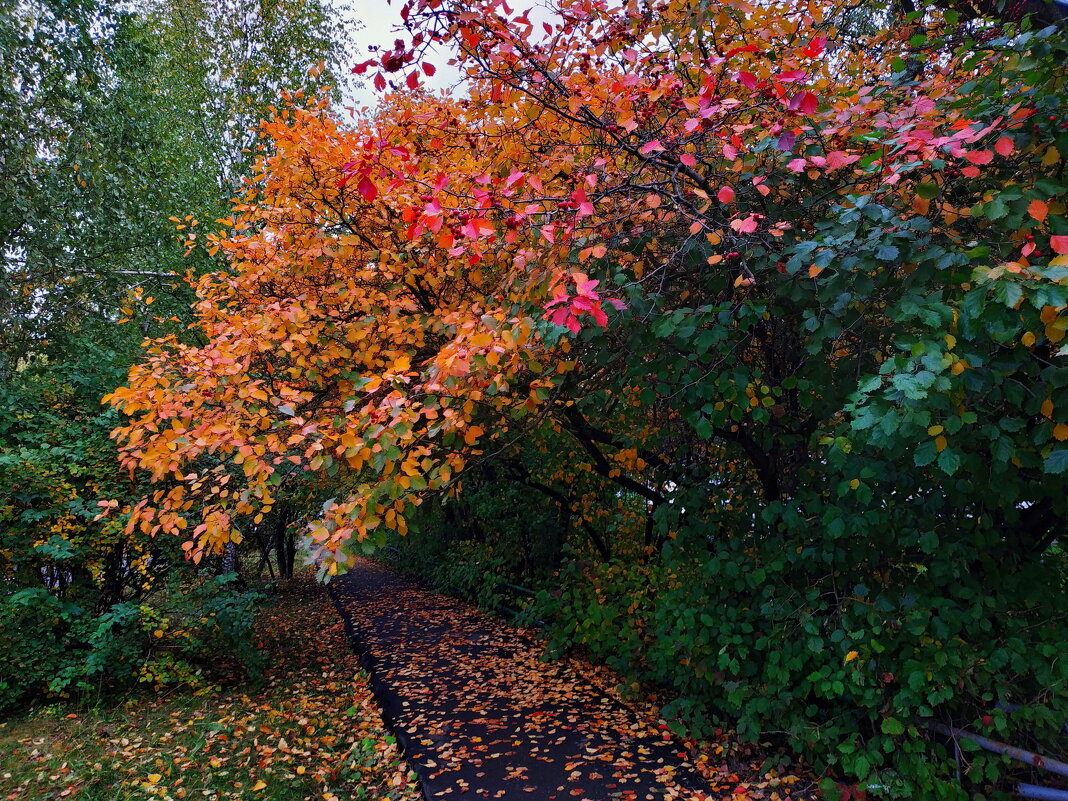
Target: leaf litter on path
(481,715)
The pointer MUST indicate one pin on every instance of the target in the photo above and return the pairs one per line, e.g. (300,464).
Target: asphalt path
(480,715)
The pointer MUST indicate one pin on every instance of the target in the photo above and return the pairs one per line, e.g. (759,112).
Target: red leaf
(805,102)
(412,80)
(1004,146)
(815,47)
(380,81)
(725,195)
(980,157)
(478,227)
(651,147)
(367,188)
(749,48)
(1059,244)
(585,208)
(429,68)
(748,79)
(746,226)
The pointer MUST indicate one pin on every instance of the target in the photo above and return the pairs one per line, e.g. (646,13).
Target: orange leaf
(1038,209)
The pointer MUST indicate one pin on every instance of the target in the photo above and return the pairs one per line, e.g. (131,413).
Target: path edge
(368,664)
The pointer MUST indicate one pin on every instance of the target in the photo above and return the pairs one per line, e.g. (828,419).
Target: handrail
(1029,757)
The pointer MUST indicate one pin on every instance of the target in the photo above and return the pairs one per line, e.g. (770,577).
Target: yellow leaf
(1028,339)
(1055,329)
(260,785)
(854,483)
(851,656)
(940,443)
(1047,408)
(934,431)
(1060,432)
(154,777)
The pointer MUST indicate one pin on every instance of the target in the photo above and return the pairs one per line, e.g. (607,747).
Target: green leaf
(893,727)
(925,454)
(949,461)
(995,209)
(1056,462)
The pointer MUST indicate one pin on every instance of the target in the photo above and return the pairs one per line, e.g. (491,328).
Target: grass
(311,731)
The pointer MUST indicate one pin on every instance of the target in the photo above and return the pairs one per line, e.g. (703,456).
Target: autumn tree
(766,307)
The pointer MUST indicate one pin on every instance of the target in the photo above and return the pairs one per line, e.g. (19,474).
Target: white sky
(380,22)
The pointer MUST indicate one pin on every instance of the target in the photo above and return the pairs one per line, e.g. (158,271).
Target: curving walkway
(481,716)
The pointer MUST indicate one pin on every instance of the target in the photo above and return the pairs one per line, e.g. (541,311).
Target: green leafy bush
(842,638)
(194,629)
(86,606)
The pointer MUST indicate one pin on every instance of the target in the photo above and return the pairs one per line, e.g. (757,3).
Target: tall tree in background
(118,122)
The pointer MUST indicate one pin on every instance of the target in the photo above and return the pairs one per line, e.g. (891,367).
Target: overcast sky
(379,23)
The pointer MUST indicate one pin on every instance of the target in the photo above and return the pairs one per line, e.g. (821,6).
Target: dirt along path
(481,716)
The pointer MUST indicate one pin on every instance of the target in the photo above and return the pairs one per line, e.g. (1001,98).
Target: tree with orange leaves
(738,273)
